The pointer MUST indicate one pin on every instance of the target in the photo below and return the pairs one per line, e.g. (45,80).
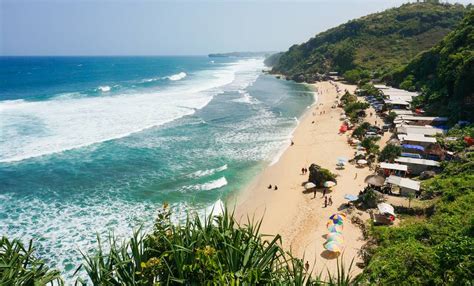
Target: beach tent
(362,162)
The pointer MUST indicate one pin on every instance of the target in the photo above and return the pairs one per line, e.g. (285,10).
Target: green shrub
(389,153)
(19,265)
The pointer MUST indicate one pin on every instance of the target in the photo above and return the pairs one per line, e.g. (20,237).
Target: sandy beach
(298,217)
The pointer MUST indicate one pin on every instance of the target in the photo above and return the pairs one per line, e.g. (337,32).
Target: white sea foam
(177,76)
(246,98)
(203,173)
(211,185)
(59,125)
(104,88)
(216,184)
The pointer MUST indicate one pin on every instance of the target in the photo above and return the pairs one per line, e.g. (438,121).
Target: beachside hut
(416,139)
(415,129)
(405,185)
(424,120)
(417,149)
(416,166)
(402,112)
(393,169)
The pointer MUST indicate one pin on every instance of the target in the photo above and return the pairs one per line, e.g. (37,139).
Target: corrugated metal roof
(416,161)
(403,182)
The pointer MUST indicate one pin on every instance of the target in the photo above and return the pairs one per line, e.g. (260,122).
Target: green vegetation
(372,45)
(389,153)
(355,109)
(19,266)
(444,74)
(360,131)
(453,140)
(347,98)
(319,175)
(213,251)
(436,250)
(370,146)
(368,89)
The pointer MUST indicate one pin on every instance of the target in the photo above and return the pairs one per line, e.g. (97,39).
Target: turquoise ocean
(95,145)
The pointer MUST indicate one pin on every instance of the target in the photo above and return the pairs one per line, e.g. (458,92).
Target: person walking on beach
(306,266)
(324,192)
(302,171)
(355,177)
(330,200)
(325,201)
(314,192)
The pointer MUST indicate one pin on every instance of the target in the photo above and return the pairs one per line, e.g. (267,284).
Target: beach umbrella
(386,208)
(375,180)
(333,247)
(334,227)
(329,184)
(336,218)
(355,141)
(351,198)
(342,159)
(335,238)
(332,235)
(362,162)
(309,185)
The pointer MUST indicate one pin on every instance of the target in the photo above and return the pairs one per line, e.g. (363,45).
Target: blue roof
(416,147)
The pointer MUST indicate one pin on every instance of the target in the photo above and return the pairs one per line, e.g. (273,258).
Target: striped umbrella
(334,227)
(335,238)
(333,246)
(338,218)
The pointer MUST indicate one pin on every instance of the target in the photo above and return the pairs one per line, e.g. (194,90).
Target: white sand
(296,216)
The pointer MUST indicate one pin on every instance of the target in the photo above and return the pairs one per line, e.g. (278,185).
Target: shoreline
(292,213)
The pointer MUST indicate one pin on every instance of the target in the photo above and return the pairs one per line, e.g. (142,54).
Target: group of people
(270,187)
(327,201)
(304,171)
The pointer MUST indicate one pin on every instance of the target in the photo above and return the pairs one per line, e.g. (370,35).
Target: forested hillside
(444,74)
(374,44)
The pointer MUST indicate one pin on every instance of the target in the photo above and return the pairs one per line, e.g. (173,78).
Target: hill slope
(378,42)
(445,74)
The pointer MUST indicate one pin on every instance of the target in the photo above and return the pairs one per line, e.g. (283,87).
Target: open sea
(95,145)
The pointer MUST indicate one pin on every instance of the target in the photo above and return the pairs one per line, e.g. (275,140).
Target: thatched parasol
(375,180)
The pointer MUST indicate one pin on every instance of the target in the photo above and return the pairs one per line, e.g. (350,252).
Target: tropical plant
(390,152)
(359,131)
(319,175)
(19,265)
(370,146)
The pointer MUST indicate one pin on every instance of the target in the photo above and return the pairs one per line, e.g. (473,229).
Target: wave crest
(177,76)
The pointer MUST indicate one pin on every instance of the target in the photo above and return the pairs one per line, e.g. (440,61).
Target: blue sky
(104,27)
